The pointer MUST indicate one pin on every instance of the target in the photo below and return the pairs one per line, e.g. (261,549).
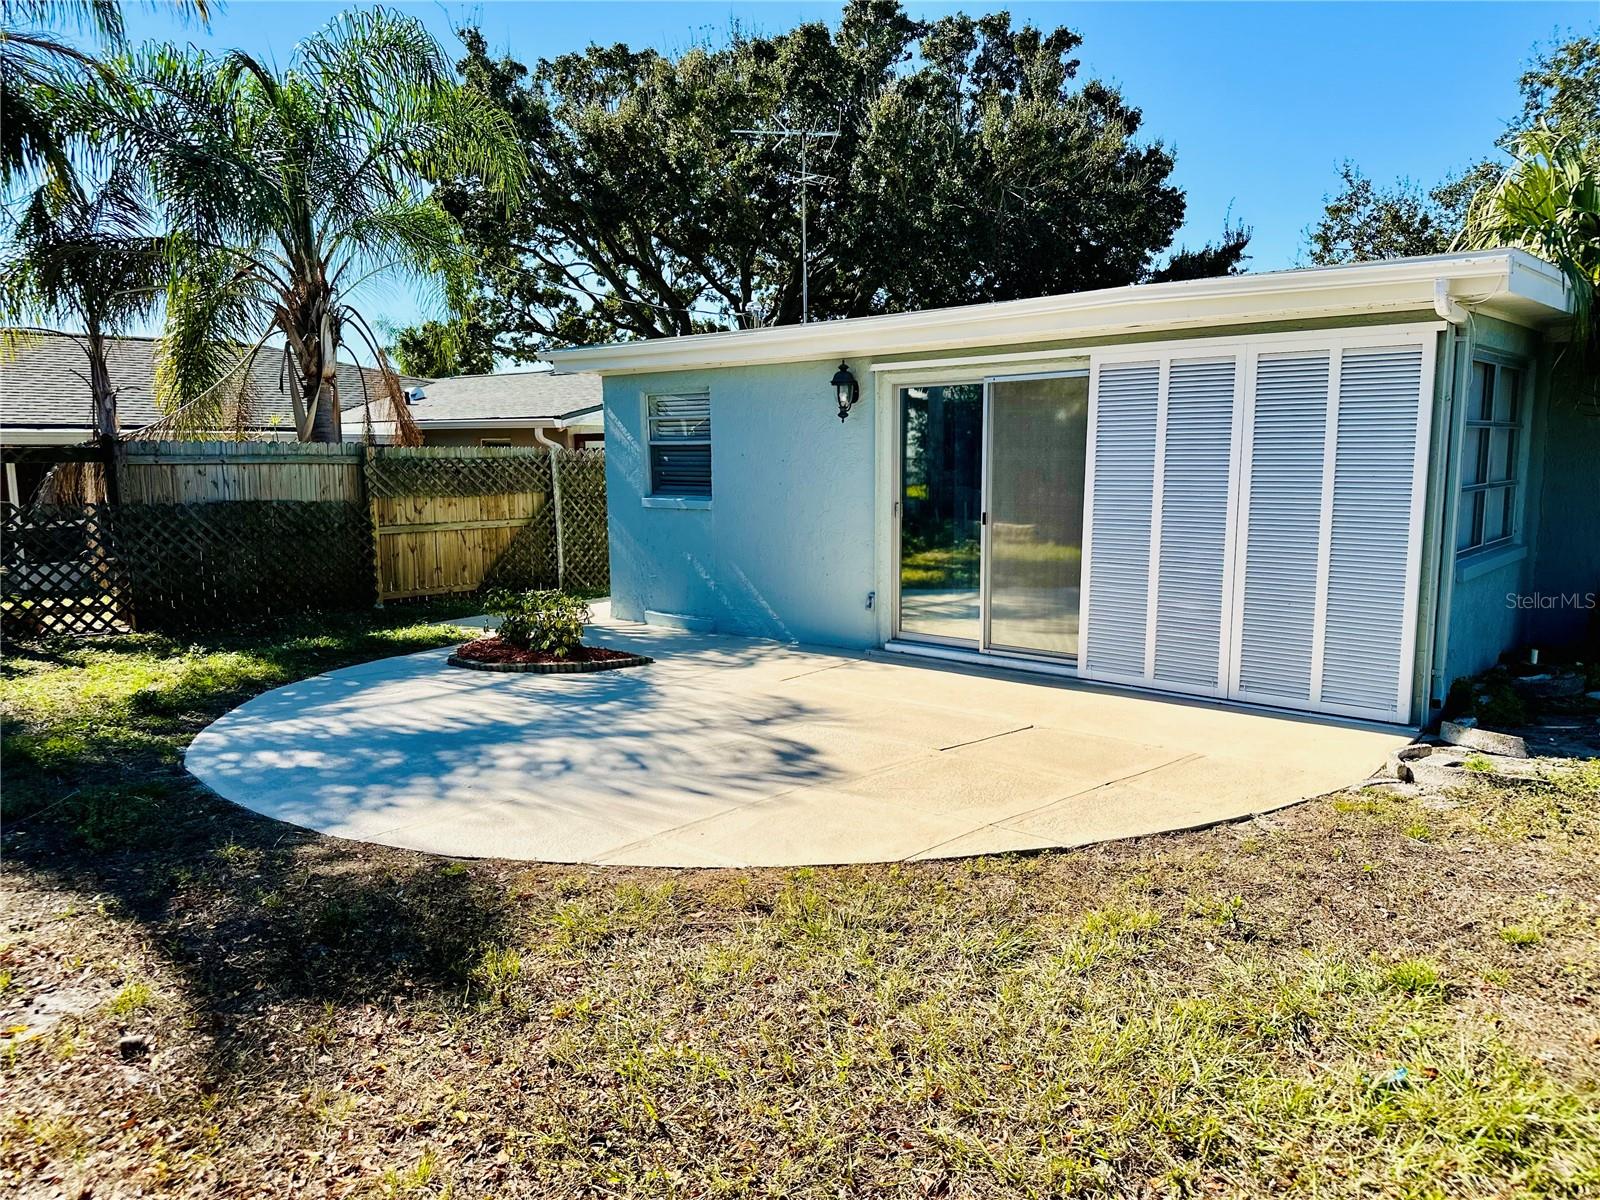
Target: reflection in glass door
(1038,430)
(941,512)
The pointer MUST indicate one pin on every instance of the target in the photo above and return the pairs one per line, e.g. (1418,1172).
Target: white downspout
(556,449)
(1447,479)
(1446,305)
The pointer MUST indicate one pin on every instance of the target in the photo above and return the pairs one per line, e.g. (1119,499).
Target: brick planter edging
(553,668)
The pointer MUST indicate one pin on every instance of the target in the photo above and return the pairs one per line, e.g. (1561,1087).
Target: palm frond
(1548,203)
(215,308)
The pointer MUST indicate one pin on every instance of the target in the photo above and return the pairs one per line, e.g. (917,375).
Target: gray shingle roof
(44,385)
(516,396)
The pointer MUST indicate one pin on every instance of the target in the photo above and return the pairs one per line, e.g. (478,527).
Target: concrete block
(1466,733)
(1431,766)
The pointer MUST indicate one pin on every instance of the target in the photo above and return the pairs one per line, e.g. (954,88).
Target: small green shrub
(545,619)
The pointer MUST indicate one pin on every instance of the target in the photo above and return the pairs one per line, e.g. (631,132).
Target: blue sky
(1260,101)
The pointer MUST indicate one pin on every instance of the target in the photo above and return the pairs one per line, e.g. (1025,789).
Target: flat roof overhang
(1510,284)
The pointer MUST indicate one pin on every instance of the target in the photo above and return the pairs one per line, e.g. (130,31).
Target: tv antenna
(806,180)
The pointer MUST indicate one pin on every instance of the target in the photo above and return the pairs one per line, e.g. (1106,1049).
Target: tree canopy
(970,164)
(287,193)
(1364,220)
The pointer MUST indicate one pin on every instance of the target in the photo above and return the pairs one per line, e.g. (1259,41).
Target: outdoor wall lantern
(845,389)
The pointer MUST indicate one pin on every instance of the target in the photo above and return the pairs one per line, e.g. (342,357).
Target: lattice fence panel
(59,572)
(584,540)
(205,565)
(448,471)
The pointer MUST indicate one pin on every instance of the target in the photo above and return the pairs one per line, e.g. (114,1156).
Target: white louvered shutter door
(1123,441)
(1261,542)
(1197,451)
(1368,605)
(1282,543)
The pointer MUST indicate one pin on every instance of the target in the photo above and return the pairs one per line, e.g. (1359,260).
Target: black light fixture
(845,389)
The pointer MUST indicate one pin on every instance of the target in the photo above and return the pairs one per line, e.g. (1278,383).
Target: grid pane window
(1490,457)
(679,434)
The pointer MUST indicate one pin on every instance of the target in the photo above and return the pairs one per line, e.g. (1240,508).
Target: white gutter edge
(1306,294)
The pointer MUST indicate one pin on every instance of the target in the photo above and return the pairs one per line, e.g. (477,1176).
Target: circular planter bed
(491,654)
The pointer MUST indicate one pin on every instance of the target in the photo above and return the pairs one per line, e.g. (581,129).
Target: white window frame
(655,496)
(1474,427)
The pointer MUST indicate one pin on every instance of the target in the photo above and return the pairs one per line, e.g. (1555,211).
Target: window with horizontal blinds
(678,431)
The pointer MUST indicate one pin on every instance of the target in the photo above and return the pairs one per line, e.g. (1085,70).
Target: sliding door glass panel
(1038,431)
(941,511)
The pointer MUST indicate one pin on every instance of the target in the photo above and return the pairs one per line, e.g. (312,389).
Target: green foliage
(438,349)
(1415,977)
(1548,203)
(82,254)
(543,619)
(971,164)
(132,998)
(1364,221)
(35,65)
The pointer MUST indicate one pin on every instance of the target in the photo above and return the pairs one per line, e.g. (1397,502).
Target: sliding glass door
(991,513)
(941,512)
(1038,432)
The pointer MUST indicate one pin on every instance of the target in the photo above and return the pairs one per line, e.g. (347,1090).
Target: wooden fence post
(555,498)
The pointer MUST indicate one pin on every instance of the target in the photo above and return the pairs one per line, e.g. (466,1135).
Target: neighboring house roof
(514,400)
(1506,283)
(44,385)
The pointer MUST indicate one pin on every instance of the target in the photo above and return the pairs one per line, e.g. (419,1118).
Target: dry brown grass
(1361,996)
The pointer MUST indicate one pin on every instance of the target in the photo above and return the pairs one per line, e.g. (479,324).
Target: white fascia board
(43,435)
(1508,282)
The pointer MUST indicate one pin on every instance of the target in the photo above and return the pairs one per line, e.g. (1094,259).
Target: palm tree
(289,194)
(87,260)
(1548,202)
(34,60)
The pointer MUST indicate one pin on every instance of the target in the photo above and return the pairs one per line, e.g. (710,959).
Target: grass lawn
(1362,996)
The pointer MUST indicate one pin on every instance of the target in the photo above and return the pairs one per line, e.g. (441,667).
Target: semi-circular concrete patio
(732,752)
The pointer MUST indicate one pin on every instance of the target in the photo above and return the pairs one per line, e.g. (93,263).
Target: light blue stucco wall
(1482,623)
(1557,552)
(786,549)
(1566,547)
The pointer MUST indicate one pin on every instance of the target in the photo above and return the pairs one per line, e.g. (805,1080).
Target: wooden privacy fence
(211,533)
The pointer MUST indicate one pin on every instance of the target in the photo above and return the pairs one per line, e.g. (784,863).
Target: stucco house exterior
(1332,490)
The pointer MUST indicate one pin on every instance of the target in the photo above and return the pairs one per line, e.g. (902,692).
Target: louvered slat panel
(1280,560)
(1124,438)
(1380,398)
(1194,522)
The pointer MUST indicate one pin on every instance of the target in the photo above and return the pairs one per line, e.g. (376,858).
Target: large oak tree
(970,165)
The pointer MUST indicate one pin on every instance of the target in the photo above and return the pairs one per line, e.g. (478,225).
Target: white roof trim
(1505,283)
